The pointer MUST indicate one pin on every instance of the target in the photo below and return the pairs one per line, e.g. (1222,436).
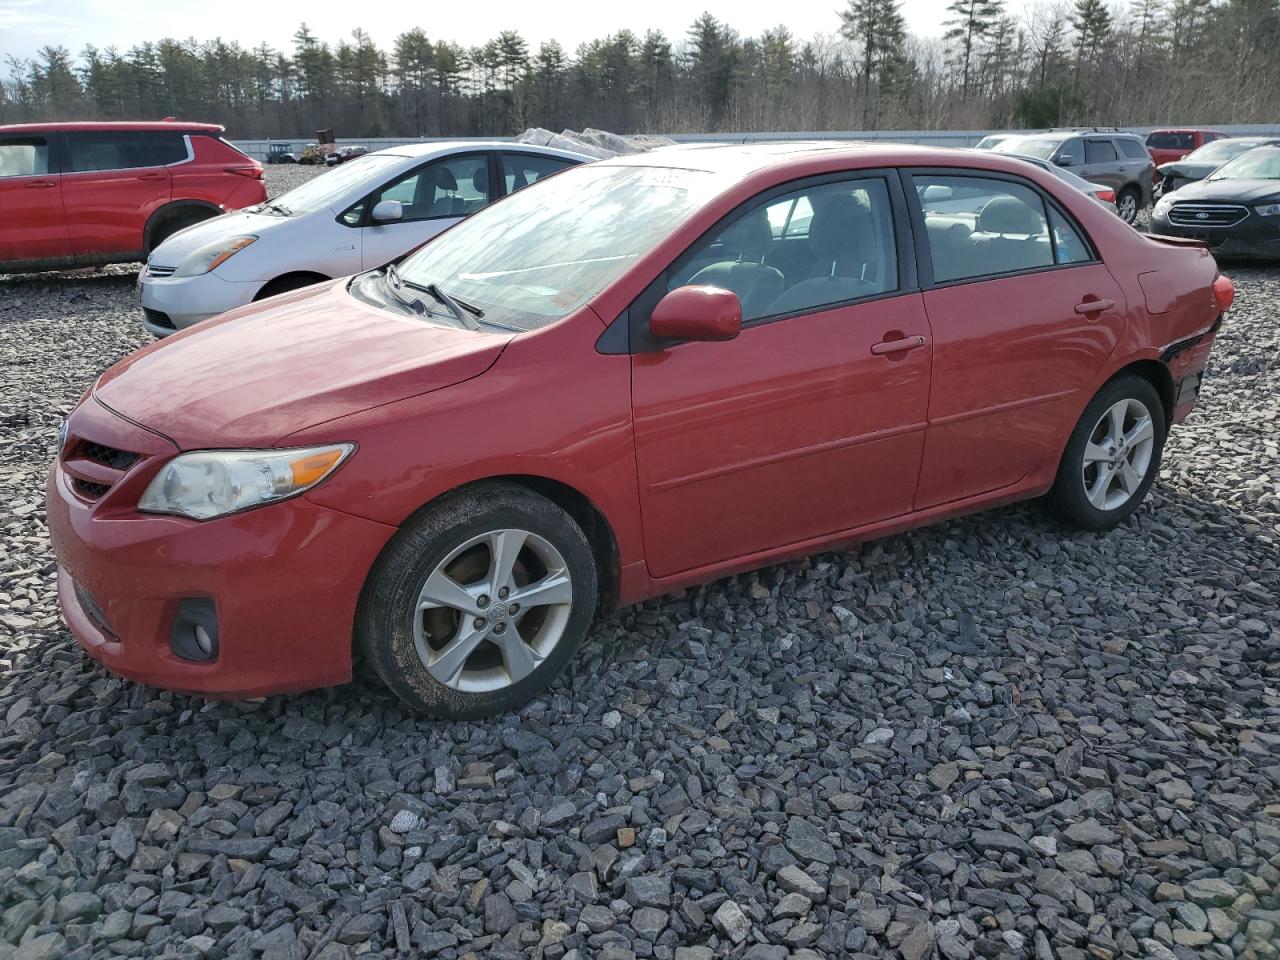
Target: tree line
(1054,62)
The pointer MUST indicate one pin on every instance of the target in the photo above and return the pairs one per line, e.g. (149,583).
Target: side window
(161,148)
(521,169)
(1099,151)
(978,227)
(810,248)
(1073,148)
(1133,149)
(454,187)
(24,156)
(105,150)
(1068,245)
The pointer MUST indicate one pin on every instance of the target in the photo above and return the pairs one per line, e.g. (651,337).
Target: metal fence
(936,138)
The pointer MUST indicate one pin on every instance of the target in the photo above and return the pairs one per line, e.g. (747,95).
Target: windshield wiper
(278,208)
(456,309)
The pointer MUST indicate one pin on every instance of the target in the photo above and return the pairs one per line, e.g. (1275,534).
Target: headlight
(1163,204)
(212,483)
(1268,210)
(208,257)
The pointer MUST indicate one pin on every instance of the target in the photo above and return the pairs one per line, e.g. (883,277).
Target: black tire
(1068,500)
(385,622)
(173,222)
(295,281)
(1129,198)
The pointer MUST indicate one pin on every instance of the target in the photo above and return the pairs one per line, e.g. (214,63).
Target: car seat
(1010,235)
(843,246)
(757,285)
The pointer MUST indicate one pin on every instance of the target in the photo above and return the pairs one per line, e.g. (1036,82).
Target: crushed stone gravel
(988,738)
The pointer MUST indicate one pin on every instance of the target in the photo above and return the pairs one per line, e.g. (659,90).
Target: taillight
(1224,292)
(1106,196)
(253,173)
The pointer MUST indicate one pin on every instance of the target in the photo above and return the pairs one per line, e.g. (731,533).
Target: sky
(28,25)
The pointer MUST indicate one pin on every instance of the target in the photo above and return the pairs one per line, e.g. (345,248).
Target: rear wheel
(1128,203)
(1112,457)
(479,603)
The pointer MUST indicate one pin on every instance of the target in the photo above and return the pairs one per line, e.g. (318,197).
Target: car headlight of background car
(213,483)
(206,258)
(1268,209)
(1162,205)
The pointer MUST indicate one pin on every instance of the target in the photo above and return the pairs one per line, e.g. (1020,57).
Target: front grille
(155,271)
(1207,214)
(88,489)
(107,456)
(159,318)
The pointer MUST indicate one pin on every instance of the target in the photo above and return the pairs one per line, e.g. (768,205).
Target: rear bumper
(284,581)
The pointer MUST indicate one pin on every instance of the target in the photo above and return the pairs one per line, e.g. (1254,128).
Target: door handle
(1094,306)
(151,176)
(40,184)
(898,346)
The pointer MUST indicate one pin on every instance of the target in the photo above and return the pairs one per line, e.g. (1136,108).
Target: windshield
(1031,146)
(331,187)
(1260,164)
(1220,151)
(548,249)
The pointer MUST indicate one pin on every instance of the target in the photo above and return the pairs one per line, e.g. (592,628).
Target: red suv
(76,194)
(724,356)
(1168,145)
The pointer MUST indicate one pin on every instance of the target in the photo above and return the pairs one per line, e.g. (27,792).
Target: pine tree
(967,27)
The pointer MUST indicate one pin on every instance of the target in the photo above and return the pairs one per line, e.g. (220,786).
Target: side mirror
(387,211)
(1066,160)
(697,313)
(936,192)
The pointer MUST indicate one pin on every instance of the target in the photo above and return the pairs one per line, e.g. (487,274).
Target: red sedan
(638,375)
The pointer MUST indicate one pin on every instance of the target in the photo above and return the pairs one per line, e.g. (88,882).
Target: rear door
(519,170)
(432,198)
(31,211)
(111,185)
(1102,163)
(1023,315)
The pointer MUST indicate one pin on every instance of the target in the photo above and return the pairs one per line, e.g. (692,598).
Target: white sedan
(361,215)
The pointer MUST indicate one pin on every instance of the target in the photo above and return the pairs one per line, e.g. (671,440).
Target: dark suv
(1108,157)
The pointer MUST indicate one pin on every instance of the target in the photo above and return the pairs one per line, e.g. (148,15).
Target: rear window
(1132,148)
(1169,140)
(23,156)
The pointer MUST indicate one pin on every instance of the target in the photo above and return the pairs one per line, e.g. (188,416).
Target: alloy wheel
(1127,205)
(1118,454)
(492,610)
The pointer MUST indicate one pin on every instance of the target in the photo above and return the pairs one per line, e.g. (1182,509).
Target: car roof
(99,125)
(432,148)
(744,159)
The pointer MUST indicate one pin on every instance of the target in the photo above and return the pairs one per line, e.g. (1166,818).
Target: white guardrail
(936,138)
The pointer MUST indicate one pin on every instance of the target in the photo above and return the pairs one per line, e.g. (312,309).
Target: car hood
(182,244)
(257,374)
(1187,171)
(1230,191)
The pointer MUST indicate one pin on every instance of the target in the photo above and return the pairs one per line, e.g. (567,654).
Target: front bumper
(170,304)
(284,579)
(1255,237)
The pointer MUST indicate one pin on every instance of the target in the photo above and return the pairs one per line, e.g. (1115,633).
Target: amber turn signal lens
(311,468)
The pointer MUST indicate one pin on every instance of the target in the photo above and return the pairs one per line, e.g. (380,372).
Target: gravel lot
(989,738)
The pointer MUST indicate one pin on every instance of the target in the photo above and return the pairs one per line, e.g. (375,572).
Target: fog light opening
(194,634)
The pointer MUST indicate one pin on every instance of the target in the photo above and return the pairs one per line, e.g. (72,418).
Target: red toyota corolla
(638,375)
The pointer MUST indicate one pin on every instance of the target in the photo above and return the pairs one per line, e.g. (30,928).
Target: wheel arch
(1155,373)
(311,276)
(173,208)
(595,525)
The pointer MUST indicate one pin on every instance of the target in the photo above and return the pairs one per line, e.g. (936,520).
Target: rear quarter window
(1133,149)
(161,147)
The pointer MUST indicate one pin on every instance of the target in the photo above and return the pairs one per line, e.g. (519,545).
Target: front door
(432,198)
(812,420)
(35,227)
(1023,315)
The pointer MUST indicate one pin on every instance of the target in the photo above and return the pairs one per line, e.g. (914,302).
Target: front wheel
(479,603)
(1112,457)
(1127,204)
